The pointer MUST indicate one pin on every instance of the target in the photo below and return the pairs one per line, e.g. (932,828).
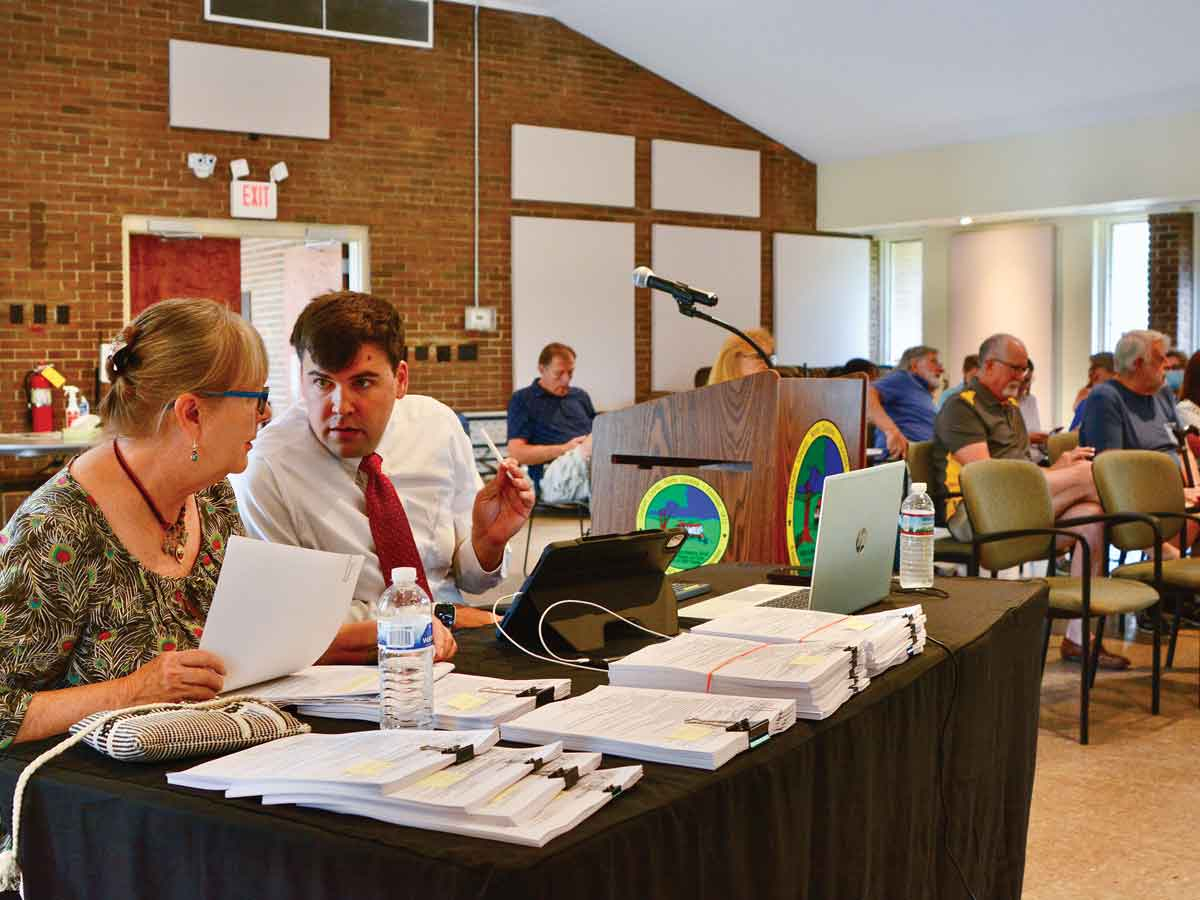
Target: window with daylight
(902,289)
(1123,255)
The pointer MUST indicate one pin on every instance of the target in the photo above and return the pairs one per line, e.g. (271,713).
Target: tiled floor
(1114,819)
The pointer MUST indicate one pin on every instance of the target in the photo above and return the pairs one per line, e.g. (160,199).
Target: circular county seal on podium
(681,501)
(821,453)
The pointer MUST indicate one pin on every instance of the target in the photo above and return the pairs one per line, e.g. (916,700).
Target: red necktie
(394,543)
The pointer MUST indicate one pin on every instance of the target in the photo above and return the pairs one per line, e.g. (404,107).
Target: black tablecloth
(847,807)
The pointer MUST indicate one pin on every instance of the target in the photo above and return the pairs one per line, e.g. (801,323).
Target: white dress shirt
(295,491)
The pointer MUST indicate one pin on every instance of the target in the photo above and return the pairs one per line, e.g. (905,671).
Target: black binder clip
(536,761)
(757,732)
(462,753)
(570,776)
(614,789)
(544,695)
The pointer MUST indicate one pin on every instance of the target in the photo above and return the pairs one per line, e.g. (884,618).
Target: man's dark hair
(334,326)
(1103,360)
(553,350)
(858,364)
(970,361)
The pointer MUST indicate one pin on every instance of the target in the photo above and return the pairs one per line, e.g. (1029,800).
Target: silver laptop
(856,546)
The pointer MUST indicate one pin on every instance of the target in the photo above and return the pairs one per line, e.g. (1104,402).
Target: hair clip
(118,359)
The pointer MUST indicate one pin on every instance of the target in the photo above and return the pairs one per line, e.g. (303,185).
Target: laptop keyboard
(799,599)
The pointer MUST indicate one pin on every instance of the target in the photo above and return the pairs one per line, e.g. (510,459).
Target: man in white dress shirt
(303,485)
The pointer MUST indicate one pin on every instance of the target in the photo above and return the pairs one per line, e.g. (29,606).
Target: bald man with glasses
(984,421)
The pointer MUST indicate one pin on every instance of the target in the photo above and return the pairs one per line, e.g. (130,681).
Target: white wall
(1135,162)
(1003,280)
(1072,318)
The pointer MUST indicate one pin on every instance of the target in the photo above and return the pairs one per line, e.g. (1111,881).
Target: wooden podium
(738,465)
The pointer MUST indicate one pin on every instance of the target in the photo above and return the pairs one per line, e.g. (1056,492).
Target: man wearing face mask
(1176,363)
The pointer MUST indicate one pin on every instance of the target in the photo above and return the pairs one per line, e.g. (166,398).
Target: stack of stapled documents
(819,675)
(675,727)
(887,638)
(459,701)
(450,781)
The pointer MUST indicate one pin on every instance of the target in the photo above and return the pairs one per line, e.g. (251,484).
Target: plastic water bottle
(404,617)
(916,538)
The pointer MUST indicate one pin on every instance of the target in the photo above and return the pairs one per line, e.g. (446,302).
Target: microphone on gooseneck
(643,276)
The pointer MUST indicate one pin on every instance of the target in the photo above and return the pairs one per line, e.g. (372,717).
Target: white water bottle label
(405,634)
(919,525)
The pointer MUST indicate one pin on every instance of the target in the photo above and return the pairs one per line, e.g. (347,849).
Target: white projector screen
(571,282)
(822,299)
(250,91)
(1002,280)
(726,263)
(565,166)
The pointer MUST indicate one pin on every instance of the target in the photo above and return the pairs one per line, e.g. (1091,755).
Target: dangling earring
(195,452)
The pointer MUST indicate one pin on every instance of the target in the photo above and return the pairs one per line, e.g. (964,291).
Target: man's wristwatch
(445,612)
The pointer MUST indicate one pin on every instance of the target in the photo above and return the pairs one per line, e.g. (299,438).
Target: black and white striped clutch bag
(179,730)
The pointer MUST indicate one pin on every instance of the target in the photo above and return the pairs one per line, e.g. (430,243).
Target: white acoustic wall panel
(1003,280)
(571,283)
(727,263)
(250,91)
(564,166)
(822,299)
(702,178)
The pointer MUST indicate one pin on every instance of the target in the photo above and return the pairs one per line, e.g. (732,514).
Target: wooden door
(165,268)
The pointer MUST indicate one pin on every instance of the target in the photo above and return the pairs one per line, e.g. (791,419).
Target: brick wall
(1170,271)
(85,102)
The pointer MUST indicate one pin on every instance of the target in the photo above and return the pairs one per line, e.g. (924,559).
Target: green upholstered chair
(1011,513)
(1058,444)
(1148,481)
(944,549)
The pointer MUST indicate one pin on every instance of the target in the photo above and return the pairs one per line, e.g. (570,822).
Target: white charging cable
(554,657)
(527,652)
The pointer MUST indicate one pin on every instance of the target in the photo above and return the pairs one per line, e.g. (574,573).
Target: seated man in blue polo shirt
(1135,410)
(550,419)
(900,405)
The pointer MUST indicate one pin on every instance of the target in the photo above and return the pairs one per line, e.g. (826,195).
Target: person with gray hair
(1135,410)
(900,405)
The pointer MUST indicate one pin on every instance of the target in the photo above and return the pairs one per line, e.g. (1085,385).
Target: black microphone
(643,276)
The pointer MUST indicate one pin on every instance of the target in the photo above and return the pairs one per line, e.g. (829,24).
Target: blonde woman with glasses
(108,570)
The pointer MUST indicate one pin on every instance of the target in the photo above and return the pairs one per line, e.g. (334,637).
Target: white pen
(492,446)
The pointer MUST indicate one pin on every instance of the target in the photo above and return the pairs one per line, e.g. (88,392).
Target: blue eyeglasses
(260,396)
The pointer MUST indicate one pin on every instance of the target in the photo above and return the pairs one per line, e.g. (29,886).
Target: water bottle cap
(404,575)
(918,487)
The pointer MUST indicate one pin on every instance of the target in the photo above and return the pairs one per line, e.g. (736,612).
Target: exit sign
(252,199)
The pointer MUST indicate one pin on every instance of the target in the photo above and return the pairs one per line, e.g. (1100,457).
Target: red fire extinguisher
(40,400)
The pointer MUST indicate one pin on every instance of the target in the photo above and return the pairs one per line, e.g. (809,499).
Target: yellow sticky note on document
(689,732)
(442,779)
(368,768)
(805,659)
(858,624)
(464,702)
(362,682)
